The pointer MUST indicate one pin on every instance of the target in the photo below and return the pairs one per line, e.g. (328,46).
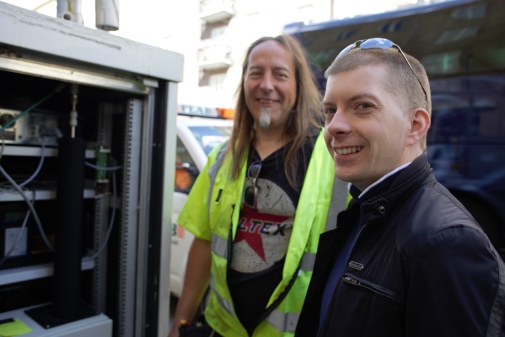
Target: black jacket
(421,266)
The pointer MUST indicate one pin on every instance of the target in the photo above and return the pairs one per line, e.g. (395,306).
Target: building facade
(213,35)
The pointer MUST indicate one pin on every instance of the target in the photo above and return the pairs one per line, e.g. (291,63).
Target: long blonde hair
(305,117)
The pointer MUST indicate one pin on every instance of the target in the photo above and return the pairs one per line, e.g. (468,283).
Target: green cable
(12,121)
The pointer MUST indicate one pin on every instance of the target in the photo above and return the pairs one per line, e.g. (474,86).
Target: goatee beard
(265,118)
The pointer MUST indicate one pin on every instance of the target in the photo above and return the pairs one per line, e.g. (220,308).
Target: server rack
(117,99)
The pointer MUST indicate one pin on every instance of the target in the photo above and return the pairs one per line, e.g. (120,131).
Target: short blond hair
(399,80)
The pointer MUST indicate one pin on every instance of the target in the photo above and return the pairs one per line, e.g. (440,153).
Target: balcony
(214,57)
(216,10)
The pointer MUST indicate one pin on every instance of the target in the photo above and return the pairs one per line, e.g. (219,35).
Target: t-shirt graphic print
(263,231)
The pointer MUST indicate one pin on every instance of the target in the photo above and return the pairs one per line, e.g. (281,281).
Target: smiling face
(270,84)
(367,131)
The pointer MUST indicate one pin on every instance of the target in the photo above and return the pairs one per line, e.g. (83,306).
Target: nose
(338,125)
(267,84)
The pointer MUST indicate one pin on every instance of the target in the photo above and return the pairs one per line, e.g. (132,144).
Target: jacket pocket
(369,286)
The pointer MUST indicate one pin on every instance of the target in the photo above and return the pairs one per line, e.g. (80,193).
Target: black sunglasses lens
(251,191)
(346,49)
(249,196)
(254,170)
(380,43)
(377,43)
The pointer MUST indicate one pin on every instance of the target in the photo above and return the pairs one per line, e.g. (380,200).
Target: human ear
(420,122)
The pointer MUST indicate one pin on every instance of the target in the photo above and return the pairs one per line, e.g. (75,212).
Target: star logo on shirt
(252,231)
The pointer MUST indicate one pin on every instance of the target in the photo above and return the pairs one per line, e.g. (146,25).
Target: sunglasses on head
(380,43)
(251,191)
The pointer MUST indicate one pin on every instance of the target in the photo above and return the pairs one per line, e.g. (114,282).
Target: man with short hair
(406,258)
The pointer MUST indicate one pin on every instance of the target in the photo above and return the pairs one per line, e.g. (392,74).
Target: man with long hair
(260,204)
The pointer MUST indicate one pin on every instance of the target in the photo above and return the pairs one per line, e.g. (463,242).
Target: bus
(461,43)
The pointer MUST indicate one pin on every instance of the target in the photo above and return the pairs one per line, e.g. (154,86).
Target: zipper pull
(351,280)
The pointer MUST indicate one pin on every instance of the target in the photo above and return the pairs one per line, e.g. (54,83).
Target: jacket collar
(379,207)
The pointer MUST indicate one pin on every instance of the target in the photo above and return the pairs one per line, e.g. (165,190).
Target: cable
(18,187)
(35,215)
(19,235)
(37,171)
(3,145)
(111,224)
(105,168)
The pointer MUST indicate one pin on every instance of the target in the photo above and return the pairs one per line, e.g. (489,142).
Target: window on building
(217,32)
(216,81)
(213,78)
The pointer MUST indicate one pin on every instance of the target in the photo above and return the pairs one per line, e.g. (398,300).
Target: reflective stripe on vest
(213,169)
(307,262)
(219,246)
(338,203)
(224,303)
(283,322)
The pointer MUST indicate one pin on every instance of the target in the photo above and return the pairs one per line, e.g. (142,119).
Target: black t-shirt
(262,237)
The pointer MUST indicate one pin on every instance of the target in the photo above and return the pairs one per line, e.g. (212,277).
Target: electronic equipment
(30,247)
(107,98)
(32,128)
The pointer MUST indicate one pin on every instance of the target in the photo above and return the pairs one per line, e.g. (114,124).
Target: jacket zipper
(354,281)
(357,236)
(356,240)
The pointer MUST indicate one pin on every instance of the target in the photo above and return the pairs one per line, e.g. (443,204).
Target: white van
(196,137)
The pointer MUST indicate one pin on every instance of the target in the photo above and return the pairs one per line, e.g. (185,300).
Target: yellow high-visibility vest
(212,211)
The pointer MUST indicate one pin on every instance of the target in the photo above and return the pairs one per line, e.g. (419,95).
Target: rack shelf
(36,151)
(9,276)
(48,194)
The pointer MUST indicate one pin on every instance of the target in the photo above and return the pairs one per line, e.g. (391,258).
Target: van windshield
(210,136)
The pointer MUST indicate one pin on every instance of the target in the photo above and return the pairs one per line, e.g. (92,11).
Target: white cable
(37,171)
(18,187)
(3,145)
(35,215)
(18,237)
(105,168)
